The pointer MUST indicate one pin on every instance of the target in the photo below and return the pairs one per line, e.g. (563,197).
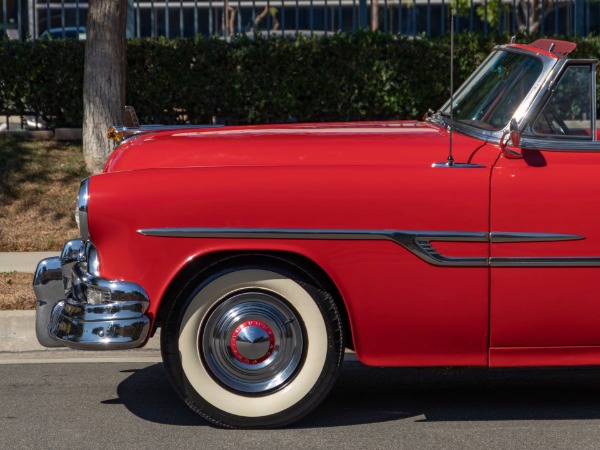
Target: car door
(545,233)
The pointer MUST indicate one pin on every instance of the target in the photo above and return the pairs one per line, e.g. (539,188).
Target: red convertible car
(467,239)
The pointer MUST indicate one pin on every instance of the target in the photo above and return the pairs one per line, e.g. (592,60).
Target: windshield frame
(549,63)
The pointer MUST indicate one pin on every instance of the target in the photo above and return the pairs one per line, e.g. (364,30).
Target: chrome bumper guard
(83,311)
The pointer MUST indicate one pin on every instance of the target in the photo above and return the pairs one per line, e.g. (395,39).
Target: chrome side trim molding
(417,242)
(122,134)
(565,261)
(558,144)
(504,237)
(445,165)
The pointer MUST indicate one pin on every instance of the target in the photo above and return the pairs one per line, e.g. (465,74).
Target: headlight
(81,212)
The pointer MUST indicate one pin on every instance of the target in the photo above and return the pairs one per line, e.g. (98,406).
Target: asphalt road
(132,405)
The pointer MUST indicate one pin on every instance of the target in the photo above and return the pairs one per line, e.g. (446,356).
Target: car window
(568,111)
(491,96)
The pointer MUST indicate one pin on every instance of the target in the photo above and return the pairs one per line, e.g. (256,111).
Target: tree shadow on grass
(41,164)
(14,155)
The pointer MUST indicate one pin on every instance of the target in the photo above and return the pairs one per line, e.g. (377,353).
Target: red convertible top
(562,47)
(552,47)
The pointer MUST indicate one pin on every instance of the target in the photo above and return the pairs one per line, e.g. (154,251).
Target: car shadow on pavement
(148,394)
(366,395)
(370,395)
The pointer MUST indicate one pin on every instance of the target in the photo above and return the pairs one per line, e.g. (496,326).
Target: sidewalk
(22,261)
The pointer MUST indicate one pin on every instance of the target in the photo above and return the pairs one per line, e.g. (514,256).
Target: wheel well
(206,265)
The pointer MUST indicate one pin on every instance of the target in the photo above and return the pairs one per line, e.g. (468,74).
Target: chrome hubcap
(252,342)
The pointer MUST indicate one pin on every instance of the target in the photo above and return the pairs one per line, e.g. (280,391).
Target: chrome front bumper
(82,311)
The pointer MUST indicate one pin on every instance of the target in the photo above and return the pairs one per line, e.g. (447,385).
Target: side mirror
(514,135)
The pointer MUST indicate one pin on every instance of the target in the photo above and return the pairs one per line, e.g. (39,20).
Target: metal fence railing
(20,19)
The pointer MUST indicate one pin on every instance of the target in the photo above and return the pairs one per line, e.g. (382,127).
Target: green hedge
(358,76)
(341,77)
(43,76)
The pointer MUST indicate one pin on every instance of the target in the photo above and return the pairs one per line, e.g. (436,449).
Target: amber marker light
(114,135)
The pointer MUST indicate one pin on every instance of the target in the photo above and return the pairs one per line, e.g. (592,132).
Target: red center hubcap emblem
(252,342)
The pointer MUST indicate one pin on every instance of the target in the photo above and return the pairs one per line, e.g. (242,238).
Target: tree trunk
(535,15)
(104,78)
(374,15)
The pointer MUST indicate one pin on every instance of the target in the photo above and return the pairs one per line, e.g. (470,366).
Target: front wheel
(253,347)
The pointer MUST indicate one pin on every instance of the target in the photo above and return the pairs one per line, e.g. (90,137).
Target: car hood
(334,144)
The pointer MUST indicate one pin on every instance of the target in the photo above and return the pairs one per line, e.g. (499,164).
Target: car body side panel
(403,310)
(558,305)
(397,317)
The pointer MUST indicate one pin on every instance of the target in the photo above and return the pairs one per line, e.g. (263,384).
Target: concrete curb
(68,134)
(33,134)
(22,261)
(59,134)
(17,331)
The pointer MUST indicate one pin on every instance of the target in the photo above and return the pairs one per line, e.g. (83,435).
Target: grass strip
(39,181)
(16,291)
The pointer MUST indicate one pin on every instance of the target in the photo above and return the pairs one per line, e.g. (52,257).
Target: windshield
(490,97)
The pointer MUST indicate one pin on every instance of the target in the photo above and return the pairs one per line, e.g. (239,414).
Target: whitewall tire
(253,347)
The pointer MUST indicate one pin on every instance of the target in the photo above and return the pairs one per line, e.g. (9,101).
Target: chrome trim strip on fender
(565,261)
(417,242)
(504,237)
(122,134)
(569,261)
